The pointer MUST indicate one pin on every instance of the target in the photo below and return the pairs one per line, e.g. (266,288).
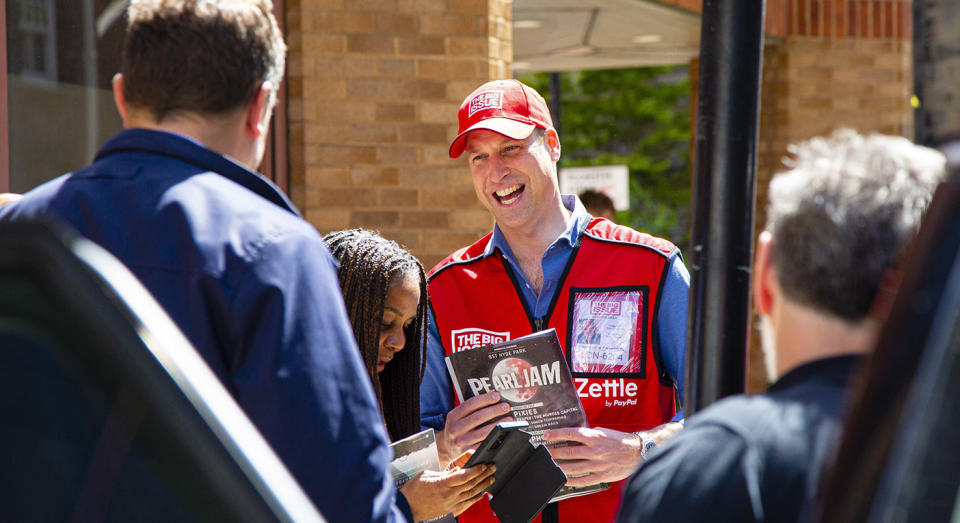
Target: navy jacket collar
(835,370)
(190,151)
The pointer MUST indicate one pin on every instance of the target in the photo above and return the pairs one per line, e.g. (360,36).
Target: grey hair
(844,213)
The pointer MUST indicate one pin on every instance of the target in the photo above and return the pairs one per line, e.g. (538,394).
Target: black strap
(550,514)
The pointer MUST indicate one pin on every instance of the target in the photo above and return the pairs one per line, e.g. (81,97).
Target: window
(59,69)
(56,103)
(36,40)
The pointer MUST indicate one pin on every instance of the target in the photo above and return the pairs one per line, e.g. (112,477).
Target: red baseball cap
(507,107)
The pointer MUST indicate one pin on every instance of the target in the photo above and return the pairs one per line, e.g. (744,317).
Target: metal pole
(731,52)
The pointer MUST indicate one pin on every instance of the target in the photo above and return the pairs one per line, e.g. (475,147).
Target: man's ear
(257,119)
(764,275)
(552,141)
(118,98)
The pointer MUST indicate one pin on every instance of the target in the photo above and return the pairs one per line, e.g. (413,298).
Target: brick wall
(374,87)
(844,63)
(861,19)
(774,21)
(812,86)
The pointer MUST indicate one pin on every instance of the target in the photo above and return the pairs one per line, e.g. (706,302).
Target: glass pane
(61,56)
(82,437)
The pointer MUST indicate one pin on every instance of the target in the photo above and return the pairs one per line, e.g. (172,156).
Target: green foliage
(639,117)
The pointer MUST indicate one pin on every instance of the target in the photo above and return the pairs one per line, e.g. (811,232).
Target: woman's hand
(432,494)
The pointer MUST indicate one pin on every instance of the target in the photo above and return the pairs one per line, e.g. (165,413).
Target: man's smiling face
(514,179)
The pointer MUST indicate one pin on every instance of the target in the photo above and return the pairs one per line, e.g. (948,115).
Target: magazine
(531,374)
(413,455)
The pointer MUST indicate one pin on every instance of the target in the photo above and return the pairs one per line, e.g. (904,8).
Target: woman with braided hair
(384,289)
(385,293)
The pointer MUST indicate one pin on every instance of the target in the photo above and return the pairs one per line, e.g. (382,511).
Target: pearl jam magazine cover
(531,374)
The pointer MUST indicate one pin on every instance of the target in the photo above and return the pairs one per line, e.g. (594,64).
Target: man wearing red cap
(549,264)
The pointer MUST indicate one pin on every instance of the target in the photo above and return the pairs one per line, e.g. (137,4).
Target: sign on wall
(612,180)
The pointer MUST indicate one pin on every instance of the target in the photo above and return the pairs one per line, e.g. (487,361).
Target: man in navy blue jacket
(840,222)
(251,284)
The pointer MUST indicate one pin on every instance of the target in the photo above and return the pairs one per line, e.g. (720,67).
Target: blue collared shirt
(436,391)
(254,289)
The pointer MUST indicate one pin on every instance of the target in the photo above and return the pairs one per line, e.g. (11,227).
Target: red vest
(604,309)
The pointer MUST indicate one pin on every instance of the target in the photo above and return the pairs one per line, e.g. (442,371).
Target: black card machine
(526,476)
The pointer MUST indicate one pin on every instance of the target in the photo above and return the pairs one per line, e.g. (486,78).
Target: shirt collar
(579,218)
(188,150)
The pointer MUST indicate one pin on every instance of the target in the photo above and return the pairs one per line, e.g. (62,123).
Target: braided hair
(369,263)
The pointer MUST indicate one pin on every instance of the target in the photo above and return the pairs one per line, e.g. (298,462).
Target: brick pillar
(374,87)
(842,63)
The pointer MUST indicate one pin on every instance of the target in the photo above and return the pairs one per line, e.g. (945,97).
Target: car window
(106,412)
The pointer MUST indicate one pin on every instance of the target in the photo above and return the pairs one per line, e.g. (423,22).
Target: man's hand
(463,427)
(433,494)
(600,455)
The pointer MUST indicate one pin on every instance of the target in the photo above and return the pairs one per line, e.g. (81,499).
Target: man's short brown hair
(201,56)
(596,202)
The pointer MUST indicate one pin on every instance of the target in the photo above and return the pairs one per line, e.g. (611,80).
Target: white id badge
(606,334)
